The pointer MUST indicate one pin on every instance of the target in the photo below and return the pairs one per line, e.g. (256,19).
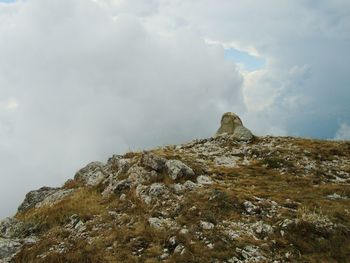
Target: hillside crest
(268,199)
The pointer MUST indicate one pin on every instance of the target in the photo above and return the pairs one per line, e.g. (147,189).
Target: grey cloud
(89,85)
(288,35)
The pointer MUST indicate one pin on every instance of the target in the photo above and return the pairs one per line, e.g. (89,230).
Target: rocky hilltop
(268,199)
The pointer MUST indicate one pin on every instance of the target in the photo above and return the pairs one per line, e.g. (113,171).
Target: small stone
(206,225)
(122,197)
(189,185)
(183,231)
(172,241)
(250,208)
(155,222)
(157,189)
(204,180)
(164,256)
(179,249)
(335,196)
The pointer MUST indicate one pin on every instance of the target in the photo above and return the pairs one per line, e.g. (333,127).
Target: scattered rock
(206,225)
(179,249)
(335,196)
(204,180)
(251,254)
(139,175)
(229,162)
(262,228)
(178,169)
(250,208)
(121,186)
(153,161)
(157,189)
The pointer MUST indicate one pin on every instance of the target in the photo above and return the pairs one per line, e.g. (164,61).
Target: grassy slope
(271,175)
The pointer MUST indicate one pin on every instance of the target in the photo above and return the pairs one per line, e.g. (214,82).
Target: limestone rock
(92,174)
(153,161)
(36,196)
(8,227)
(8,248)
(122,186)
(151,193)
(139,175)
(206,225)
(232,125)
(12,228)
(242,133)
(157,189)
(54,197)
(178,169)
(204,180)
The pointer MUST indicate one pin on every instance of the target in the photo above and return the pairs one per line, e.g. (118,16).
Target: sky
(81,80)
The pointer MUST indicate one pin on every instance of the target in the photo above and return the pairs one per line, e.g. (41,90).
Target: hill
(271,199)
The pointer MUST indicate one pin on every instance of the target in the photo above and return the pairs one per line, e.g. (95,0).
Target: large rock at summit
(232,125)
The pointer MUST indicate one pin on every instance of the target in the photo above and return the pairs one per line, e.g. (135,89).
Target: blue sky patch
(249,62)
(7,1)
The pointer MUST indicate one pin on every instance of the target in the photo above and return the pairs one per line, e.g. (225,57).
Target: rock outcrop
(232,125)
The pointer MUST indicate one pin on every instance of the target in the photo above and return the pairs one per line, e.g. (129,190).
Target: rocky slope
(272,199)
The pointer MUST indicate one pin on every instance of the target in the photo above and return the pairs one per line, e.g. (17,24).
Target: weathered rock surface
(178,169)
(8,248)
(92,174)
(34,197)
(232,125)
(153,161)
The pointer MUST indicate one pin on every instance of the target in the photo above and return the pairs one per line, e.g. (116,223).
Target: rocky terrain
(269,199)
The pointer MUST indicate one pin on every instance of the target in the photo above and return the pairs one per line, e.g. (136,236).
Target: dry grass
(84,202)
(303,200)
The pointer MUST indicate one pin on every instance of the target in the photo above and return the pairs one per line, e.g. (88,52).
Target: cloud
(79,84)
(343,133)
(303,87)
(81,80)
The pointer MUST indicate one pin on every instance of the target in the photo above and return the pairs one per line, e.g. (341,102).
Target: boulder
(36,196)
(178,169)
(241,133)
(232,125)
(92,174)
(153,161)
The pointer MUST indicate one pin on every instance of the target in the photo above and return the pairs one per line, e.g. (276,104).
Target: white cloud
(92,78)
(343,133)
(90,86)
